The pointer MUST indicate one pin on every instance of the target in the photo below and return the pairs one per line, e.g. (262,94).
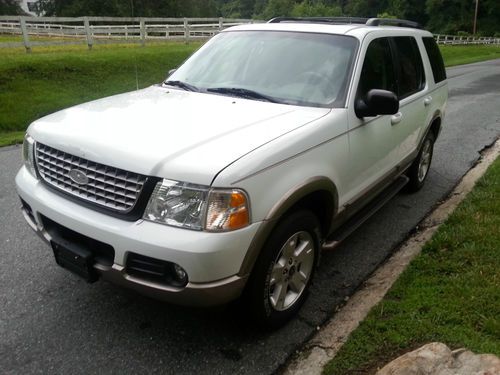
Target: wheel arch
(434,125)
(317,194)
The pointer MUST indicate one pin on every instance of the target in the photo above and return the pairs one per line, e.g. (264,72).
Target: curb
(328,341)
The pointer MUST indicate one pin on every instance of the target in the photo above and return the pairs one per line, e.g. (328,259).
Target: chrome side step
(360,217)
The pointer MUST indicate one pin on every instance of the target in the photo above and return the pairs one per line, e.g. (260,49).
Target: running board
(364,214)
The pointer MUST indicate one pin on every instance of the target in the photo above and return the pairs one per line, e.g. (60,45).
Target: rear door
(412,89)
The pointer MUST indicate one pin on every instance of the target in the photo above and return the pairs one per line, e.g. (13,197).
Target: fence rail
(103,30)
(464,40)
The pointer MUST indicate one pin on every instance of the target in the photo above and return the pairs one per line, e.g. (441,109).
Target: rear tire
(418,171)
(282,275)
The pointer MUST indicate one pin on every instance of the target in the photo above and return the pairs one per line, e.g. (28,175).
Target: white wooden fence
(464,40)
(102,30)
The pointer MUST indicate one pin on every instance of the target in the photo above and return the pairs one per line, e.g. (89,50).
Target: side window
(435,59)
(378,68)
(410,70)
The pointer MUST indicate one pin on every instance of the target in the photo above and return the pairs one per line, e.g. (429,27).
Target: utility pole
(475,18)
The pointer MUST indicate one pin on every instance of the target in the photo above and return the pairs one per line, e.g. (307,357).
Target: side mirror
(377,102)
(171,71)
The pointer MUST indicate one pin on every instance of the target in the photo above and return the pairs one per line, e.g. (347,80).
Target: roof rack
(350,20)
(392,22)
(331,20)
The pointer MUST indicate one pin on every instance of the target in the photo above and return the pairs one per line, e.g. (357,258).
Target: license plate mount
(75,258)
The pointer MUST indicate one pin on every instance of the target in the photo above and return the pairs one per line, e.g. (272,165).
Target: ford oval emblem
(78,176)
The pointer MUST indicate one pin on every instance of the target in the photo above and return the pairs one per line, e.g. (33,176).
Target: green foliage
(278,8)
(315,9)
(297,8)
(408,9)
(386,15)
(365,8)
(10,7)
(136,8)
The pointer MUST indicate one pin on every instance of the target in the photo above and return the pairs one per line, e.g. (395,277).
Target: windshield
(287,67)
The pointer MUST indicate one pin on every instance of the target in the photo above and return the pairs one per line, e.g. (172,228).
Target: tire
(279,283)
(418,171)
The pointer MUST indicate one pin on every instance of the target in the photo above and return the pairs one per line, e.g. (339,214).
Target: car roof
(358,31)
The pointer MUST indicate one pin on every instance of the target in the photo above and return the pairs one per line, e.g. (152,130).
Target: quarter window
(410,70)
(435,59)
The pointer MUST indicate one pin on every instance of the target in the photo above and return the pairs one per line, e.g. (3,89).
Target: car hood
(169,133)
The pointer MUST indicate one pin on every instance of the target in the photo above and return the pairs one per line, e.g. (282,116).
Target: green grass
(449,293)
(50,79)
(14,38)
(53,78)
(11,38)
(458,55)
(11,138)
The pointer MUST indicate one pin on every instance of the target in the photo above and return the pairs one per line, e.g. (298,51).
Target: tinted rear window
(410,70)
(435,59)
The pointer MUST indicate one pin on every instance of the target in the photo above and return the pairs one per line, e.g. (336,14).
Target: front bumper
(211,260)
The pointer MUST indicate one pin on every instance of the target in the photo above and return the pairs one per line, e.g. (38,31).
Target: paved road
(51,322)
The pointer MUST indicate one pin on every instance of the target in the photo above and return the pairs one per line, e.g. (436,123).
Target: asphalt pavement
(52,322)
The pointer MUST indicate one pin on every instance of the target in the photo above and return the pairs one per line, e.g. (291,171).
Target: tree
(10,7)
(459,15)
(308,8)
(408,9)
(365,8)
(278,8)
(237,8)
(488,22)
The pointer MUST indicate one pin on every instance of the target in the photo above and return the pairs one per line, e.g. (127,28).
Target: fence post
(221,23)
(186,31)
(26,38)
(143,31)
(88,33)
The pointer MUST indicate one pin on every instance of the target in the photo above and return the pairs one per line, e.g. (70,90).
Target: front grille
(101,185)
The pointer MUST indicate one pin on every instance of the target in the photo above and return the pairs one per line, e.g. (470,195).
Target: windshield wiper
(243,93)
(182,85)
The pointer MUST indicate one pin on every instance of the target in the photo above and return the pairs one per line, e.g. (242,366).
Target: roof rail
(332,20)
(350,20)
(392,22)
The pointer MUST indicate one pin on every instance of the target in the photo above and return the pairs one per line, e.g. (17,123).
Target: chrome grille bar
(105,186)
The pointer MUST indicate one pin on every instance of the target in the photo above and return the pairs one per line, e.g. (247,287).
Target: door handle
(428,101)
(396,119)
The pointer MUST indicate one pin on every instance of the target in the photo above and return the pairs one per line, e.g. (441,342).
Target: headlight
(29,153)
(178,204)
(197,207)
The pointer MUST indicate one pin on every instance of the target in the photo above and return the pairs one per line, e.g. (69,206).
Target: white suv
(270,142)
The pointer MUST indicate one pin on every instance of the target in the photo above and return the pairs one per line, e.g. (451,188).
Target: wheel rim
(291,271)
(425,160)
